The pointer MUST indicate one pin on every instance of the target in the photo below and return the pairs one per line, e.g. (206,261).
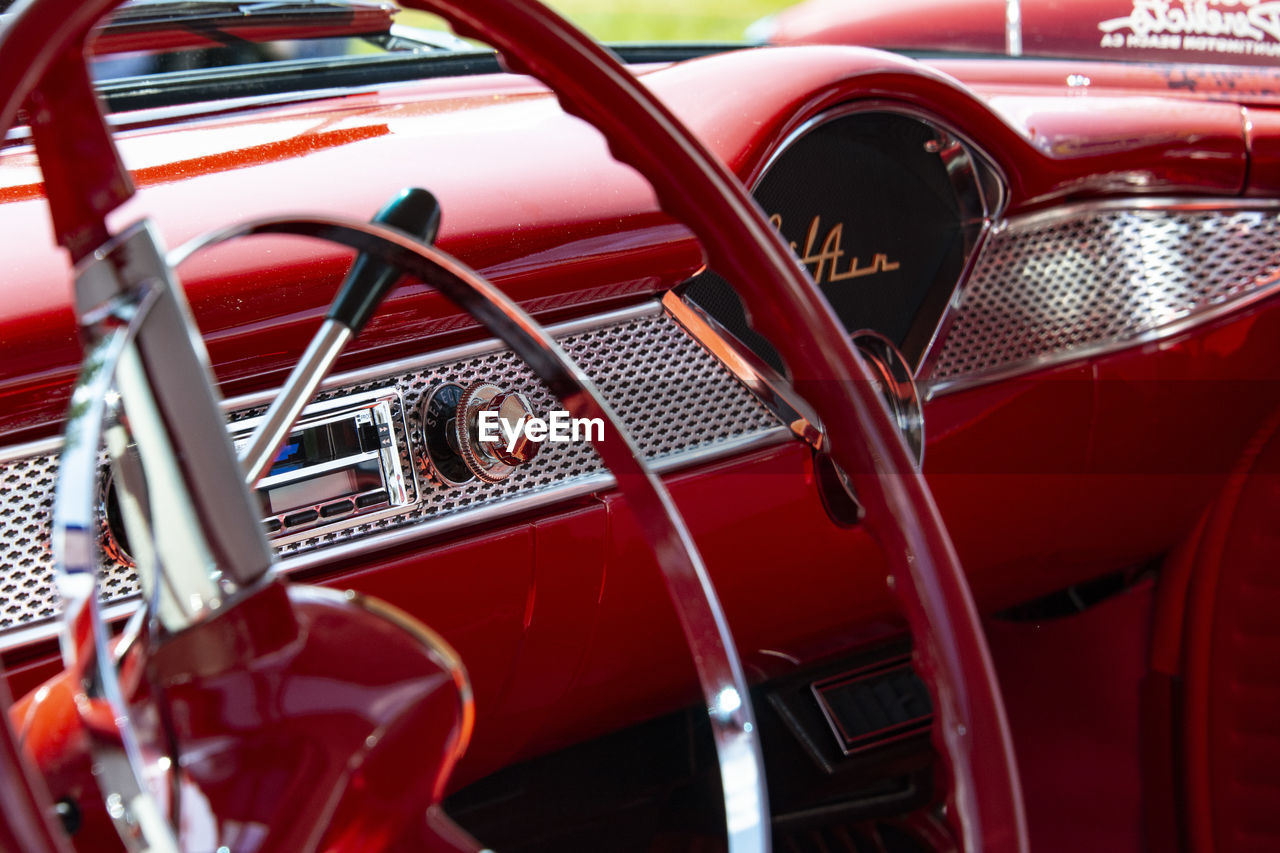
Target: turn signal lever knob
(413,211)
(490,426)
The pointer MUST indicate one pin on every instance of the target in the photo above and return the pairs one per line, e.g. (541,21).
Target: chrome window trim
(1265,285)
(1013,27)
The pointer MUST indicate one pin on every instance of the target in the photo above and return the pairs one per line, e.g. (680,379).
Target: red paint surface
(1087,29)
(588,231)
(1071,686)
(561,224)
(291,703)
(1225,600)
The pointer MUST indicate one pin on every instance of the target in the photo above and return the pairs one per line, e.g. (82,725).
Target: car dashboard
(1062,299)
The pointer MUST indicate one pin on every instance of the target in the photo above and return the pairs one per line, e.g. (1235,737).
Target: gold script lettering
(824,260)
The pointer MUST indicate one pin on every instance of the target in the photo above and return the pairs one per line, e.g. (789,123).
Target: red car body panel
(562,620)
(600,246)
(1230,32)
(982,442)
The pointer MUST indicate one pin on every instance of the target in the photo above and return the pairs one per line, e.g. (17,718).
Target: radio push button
(335,509)
(298,519)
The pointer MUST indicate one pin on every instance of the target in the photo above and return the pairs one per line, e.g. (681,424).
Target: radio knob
(494,460)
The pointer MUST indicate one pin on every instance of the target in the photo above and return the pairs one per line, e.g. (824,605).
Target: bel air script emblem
(824,260)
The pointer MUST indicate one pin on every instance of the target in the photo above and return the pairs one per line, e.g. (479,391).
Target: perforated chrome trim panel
(1057,286)
(26,510)
(678,400)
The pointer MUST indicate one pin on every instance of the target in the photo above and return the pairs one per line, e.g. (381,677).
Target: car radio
(342,460)
(340,465)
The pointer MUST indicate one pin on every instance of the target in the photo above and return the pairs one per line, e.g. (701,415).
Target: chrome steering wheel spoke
(86,647)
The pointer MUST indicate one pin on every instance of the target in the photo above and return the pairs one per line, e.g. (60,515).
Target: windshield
(645,21)
(147,37)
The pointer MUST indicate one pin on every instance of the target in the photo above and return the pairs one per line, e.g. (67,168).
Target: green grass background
(652,20)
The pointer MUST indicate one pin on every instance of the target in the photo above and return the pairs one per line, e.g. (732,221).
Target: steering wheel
(40,59)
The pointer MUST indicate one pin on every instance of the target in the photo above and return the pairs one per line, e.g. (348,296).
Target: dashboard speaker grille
(1051,287)
(676,398)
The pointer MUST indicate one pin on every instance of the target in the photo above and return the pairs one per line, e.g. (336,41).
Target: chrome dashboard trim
(23,634)
(39,447)
(1175,204)
(461,352)
(17,637)
(519,504)
(772,389)
(1013,27)
(1251,289)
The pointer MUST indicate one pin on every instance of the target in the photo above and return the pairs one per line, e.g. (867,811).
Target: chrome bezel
(980,185)
(423,454)
(386,406)
(897,387)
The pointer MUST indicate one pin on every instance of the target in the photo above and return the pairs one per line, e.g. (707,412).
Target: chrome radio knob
(475,433)
(490,431)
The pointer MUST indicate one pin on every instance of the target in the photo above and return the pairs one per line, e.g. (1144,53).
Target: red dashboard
(1098,357)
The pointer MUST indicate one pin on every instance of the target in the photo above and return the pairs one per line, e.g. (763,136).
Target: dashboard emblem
(824,261)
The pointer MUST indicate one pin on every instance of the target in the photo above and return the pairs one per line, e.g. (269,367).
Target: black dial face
(438,414)
(870,204)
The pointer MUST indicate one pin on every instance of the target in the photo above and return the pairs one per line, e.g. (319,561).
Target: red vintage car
(810,447)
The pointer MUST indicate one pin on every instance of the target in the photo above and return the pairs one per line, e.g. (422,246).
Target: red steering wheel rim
(41,63)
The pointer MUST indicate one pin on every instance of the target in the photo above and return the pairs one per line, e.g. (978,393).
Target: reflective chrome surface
(982,194)
(1013,27)
(128,785)
(1082,280)
(173,409)
(720,418)
(692,594)
(765,382)
(299,388)
(490,461)
(897,387)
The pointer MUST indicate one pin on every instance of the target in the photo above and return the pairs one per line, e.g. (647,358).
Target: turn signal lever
(415,212)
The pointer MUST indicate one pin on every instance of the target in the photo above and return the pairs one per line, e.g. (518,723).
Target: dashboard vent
(874,706)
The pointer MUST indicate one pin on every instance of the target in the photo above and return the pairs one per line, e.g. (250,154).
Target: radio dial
(494,460)
(512,408)
(455,452)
